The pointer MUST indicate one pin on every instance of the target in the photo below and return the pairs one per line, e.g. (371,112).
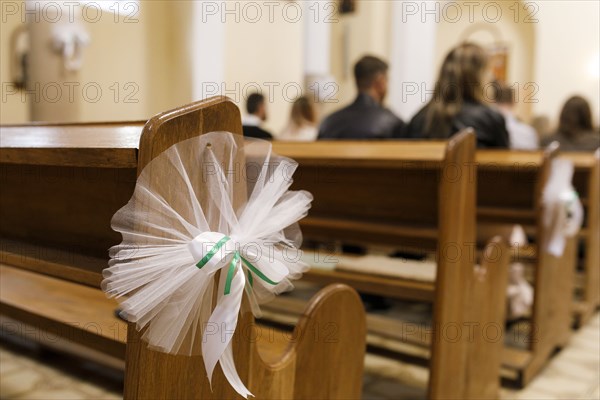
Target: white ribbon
(215,251)
(563,215)
(176,237)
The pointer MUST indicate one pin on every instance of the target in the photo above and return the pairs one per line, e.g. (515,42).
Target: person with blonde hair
(302,126)
(458,101)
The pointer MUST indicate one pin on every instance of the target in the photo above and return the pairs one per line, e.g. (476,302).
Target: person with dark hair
(257,114)
(366,117)
(522,136)
(575,130)
(458,101)
(302,125)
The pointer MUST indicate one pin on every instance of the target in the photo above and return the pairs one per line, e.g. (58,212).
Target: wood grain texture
(154,375)
(586,181)
(487,321)
(69,208)
(455,270)
(354,153)
(410,197)
(54,262)
(103,145)
(74,312)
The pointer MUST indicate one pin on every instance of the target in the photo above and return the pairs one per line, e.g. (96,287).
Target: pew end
(64,182)
(327,344)
(487,317)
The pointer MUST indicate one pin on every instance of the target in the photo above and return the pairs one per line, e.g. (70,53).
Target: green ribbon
(231,270)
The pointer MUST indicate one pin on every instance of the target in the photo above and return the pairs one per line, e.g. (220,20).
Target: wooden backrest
(62,183)
(382,193)
(511,184)
(411,195)
(586,181)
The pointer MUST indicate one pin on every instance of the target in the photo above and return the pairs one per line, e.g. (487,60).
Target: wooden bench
(586,181)
(61,186)
(509,190)
(420,197)
(510,187)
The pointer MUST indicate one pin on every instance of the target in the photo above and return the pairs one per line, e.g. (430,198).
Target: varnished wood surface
(490,158)
(308,369)
(154,375)
(409,196)
(357,153)
(488,319)
(75,145)
(453,299)
(75,312)
(586,181)
(54,262)
(509,191)
(69,208)
(377,285)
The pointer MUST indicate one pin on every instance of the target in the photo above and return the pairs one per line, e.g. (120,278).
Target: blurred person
(366,117)
(257,113)
(575,130)
(302,126)
(521,135)
(458,101)
(541,124)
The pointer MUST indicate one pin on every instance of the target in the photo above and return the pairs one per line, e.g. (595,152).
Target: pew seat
(379,265)
(68,310)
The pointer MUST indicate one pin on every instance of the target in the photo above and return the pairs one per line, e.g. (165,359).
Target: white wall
(567,48)
(412,59)
(366,31)
(266,52)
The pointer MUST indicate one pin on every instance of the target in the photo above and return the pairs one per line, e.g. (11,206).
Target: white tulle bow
(563,215)
(181,230)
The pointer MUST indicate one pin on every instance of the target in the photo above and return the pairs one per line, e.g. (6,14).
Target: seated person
(257,114)
(457,101)
(366,117)
(575,130)
(521,135)
(301,127)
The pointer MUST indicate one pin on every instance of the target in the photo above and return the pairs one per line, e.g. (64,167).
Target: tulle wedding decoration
(212,203)
(563,214)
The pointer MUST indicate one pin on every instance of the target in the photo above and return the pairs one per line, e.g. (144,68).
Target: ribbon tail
(556,238)
(228,367)
(222,323)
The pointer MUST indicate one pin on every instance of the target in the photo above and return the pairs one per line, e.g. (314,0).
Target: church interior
(300,199)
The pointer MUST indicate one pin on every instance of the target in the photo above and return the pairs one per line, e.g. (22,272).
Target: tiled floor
(28,373)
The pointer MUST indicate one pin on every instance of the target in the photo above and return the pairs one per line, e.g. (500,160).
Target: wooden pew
(413,196)
(61,186)
(586,181)
(510,192)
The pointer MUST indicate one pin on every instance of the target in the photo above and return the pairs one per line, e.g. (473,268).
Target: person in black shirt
(457,102)
(257,114)
(366,117)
